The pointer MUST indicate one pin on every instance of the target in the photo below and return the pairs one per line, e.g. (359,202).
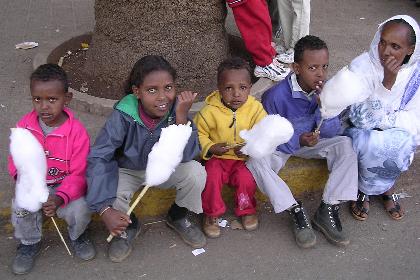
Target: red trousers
(236,174)
(254,23)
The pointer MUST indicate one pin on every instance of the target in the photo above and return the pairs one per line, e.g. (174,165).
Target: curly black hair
(145,66)
(231,64)
(50,72)
(309,42)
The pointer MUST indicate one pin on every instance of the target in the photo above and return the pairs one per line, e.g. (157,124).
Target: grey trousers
(342,163)
(188,179)
(294,17)
(28,225)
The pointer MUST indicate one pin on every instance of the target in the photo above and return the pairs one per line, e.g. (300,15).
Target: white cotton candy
(167,153)
(31,164)
(341,91)
(266,135)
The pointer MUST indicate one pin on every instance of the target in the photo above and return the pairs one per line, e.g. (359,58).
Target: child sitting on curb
(66,144)
(296,98)
(228,110)
(118,159)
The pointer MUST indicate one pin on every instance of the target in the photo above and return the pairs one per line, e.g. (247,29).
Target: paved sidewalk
(380,248)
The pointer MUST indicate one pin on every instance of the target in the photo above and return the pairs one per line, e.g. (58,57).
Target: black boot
(304,235)
(327,221)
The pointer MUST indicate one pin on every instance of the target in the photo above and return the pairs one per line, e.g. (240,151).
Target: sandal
(357,209)
(397,207)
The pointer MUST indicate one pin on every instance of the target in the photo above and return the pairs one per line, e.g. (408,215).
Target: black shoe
(327,221)
(83,247)
(25,258)
(121,246)
(190,233)
(304,234)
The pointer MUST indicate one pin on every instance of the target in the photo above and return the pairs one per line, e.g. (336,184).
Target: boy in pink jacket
(66,145)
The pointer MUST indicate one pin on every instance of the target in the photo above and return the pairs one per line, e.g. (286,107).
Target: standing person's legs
(294,16)
(265,172)
(301,20)
(253,21)
(274,15)
(286,18)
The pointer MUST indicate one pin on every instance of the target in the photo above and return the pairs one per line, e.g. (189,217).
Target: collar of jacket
(129,105)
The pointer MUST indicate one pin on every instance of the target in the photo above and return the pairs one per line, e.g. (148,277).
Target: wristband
(104,210)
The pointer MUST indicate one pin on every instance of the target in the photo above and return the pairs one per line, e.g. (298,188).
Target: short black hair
(145,66)
(309,42)
(233,63)
(50,72)
(411,35)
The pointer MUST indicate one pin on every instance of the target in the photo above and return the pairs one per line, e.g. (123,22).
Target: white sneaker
(272,72)
(286,57)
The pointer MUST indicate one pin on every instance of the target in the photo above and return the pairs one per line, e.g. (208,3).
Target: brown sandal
(397,207)
(358,211)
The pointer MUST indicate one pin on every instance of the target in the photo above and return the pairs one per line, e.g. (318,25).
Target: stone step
(301,175)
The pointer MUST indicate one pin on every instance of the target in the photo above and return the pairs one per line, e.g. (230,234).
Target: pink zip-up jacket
(66,149)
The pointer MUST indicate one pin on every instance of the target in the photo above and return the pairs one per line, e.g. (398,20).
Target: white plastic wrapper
(341,91)
(31,164)
(266,135)
(167,153)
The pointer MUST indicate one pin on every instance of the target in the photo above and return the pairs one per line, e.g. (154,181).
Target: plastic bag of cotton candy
(31,164)
(167,153)
(266,135)
(341,91)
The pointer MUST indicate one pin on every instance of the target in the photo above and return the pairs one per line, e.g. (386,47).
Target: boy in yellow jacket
(228,110)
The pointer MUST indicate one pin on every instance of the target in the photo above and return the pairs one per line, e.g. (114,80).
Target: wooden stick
(317,129)
(133,205)
(235,145)
(61,236)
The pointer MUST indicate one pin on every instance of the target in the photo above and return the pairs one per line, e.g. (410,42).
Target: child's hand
(115,221)
(218,149)
(391,68)
(309,139)
(50,206)
(238,152)
(185,101)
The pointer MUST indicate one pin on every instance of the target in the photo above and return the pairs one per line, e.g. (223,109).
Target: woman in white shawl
(386,126)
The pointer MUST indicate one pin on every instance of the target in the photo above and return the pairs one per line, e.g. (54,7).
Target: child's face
(394,43)
(156,93)
(49,99)
(234,86)
(312,71)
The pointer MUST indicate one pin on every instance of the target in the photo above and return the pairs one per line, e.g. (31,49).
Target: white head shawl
(373,52)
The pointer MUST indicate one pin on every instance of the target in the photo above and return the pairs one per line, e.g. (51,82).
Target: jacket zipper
(234,126)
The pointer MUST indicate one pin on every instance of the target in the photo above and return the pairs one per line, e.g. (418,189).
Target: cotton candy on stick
(29,159)
(266,135)
(341,91)
(165,156)
(31,165)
